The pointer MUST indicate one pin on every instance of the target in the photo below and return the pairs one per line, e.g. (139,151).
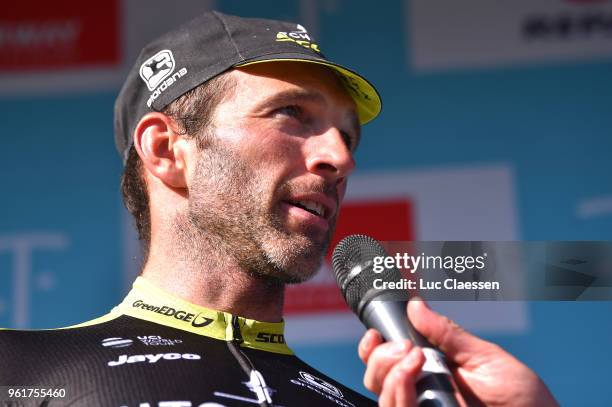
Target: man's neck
(195,269)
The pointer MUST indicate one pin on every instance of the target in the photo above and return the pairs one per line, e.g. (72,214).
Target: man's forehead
(296,80)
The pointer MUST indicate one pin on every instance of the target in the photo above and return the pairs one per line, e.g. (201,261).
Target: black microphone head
(353,261)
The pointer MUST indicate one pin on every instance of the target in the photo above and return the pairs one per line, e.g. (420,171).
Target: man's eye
(292,111)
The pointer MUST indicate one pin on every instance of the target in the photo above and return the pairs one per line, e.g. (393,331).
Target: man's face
(268,184)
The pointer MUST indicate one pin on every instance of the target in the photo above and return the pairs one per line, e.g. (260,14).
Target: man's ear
(161,149)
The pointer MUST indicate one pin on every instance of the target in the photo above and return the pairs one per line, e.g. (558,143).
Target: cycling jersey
(157,350)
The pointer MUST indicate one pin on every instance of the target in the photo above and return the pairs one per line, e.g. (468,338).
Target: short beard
(228,210)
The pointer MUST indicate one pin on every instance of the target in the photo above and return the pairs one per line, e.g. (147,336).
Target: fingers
(371,339)
(399,385)
(458,345)
(381,361)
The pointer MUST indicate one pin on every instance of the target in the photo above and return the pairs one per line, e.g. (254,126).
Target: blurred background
(496,125)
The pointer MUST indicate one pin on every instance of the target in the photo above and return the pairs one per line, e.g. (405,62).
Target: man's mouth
(309,209)
(313,207)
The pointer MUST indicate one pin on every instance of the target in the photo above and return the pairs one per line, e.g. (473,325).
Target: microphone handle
(435,386)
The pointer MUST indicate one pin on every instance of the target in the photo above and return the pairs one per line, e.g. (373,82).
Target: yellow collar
(148,302)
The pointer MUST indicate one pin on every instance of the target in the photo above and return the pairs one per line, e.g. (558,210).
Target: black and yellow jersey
(157,350)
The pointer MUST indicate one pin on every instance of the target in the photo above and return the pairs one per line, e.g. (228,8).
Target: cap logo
(299,36)
(157,68)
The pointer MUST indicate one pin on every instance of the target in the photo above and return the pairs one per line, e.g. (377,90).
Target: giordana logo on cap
(156,71)
(299,36)
(157,68)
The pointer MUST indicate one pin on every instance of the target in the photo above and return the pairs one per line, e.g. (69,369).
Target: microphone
(385,311)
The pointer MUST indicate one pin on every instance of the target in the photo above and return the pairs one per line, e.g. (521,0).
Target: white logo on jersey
(116,342)
(257,385)
(148,340)
(321,384)
(156,340)
(125,359)
(322,387)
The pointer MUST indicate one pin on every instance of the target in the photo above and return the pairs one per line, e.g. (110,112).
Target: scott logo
(299,36)
(157,68)
(270,338)
(125,359)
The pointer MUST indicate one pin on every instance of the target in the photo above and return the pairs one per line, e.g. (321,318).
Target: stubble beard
(228,210)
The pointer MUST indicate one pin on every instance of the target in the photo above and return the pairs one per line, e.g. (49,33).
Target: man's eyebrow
(292,95)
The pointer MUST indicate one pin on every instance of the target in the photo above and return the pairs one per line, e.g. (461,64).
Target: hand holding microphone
(408,369)
(486,374)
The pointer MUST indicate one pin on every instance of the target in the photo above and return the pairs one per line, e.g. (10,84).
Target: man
(238,138)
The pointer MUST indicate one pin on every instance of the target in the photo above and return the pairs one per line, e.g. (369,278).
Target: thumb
(458,345)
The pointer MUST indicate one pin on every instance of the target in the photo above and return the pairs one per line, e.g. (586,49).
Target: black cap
(209,45)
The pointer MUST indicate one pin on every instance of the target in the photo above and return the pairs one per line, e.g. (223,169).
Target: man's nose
(329,156)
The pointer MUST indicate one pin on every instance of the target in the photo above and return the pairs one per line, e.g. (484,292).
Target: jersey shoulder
(27,355)
(99,320)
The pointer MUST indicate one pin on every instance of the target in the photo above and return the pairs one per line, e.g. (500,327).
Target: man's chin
(294,266)
(291,256)
(286,274)
(300,273)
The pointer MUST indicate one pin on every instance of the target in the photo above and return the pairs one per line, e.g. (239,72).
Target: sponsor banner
(69,46)
(25,282)
(446,34)
(58,35)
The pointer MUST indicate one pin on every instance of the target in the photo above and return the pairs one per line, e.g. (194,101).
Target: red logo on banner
(58,34)
(383,220)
